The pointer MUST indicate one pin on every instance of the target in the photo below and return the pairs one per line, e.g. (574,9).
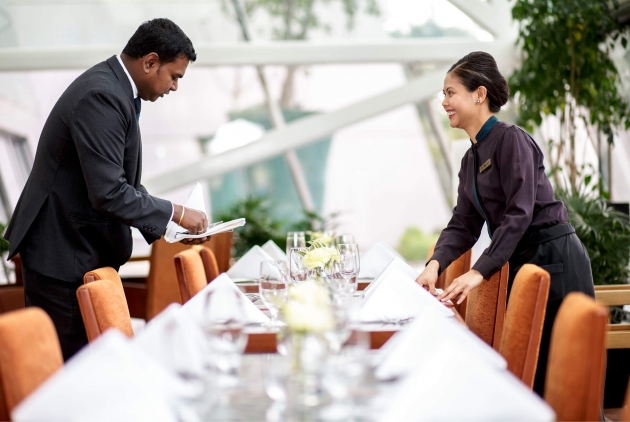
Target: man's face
(160,79)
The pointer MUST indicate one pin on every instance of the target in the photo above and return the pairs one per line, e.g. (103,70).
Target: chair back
(190,273)
(485,308)
(625,412)
(103,305)
(221,245)
(574,384)
(209,262)
(162,286)
(524,320)
(29,354)
(105,273)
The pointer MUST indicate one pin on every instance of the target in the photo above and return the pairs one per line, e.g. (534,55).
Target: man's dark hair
(479,69)
(163,37)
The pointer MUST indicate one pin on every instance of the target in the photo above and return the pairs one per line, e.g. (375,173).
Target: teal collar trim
(486,128)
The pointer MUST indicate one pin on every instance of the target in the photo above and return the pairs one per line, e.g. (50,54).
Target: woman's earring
(478,101)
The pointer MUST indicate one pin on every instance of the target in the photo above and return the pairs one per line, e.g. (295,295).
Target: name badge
(484,166)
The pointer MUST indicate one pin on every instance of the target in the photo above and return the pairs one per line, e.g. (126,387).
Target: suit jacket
(84,191)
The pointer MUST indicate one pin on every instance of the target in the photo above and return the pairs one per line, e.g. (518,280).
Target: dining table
(427,368)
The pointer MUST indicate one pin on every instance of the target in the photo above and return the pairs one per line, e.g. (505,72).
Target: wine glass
(344,239)
(295,240)
(223,324)
(349,265)
(273,287)
(297,270)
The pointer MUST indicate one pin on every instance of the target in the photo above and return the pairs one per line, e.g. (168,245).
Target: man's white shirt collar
(133,85)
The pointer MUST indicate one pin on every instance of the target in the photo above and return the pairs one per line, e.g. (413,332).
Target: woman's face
(460,105)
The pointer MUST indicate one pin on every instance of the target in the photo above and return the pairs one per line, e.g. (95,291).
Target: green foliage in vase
(260,226)
(567,72)
(414,244)
(604,231)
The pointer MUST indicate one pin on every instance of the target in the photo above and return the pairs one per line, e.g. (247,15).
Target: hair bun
(480,69)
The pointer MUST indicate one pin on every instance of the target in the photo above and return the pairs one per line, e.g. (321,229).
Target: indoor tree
(567,72)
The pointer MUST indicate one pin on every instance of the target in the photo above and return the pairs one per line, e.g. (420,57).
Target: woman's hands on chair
(459,288)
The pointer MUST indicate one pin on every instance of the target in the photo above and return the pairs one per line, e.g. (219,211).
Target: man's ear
(150,62)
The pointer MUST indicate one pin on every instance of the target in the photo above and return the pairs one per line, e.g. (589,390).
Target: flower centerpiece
(325,238)
(319,258)
(308,315)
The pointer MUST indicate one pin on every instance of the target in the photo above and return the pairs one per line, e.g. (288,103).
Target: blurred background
(323,114)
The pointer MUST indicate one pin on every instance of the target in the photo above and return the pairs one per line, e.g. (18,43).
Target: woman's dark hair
(479,69)
(163,37)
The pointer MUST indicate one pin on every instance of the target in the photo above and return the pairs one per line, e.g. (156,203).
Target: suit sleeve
(518,179)
(99,130)
(462,230)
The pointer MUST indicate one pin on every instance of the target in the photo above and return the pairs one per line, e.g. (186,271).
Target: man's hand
(462,286)
(429,276)
(194,221)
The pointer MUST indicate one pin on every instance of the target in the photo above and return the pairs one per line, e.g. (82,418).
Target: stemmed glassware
(273,287)
(223,324)
(349,266)
(344,239)
(295,240)
(297,270)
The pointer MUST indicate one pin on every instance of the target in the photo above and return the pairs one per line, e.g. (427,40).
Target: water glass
(297,270)
(349,265)
(344,239)
(223,325)
(295,240)
(273,287)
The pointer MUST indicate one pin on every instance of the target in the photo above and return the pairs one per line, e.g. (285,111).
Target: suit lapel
(124,81)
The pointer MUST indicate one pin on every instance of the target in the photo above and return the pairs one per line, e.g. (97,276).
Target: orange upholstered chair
(210,264)
(524,319)
(625,416)
(105,273)
(574,385)
(29,354)
(162,286)
(103,305)
(457,268)
(484,308)
(221,245)
(190,273)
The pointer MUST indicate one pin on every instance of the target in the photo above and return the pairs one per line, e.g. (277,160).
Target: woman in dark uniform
(502,182)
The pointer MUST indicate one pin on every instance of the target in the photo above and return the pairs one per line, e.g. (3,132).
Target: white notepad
(195,201)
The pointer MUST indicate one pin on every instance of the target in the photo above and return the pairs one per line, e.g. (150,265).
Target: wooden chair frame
(87,312)
(181,278)
(617,335)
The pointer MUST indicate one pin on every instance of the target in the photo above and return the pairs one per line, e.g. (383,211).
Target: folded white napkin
(248,267)
(394,295)
(400,355)
(194,201)
(395,263)
(274,251)
(175,340)
(108,380)
(451,383)
(374,261)
(196,305)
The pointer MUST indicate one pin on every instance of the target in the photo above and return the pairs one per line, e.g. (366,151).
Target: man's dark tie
(138,103)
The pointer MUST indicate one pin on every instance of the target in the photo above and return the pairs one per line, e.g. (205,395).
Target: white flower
(320,257)
(308,317)
(308,308)
(310,292)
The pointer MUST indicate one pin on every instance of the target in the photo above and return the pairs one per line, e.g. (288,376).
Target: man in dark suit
(84,192)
